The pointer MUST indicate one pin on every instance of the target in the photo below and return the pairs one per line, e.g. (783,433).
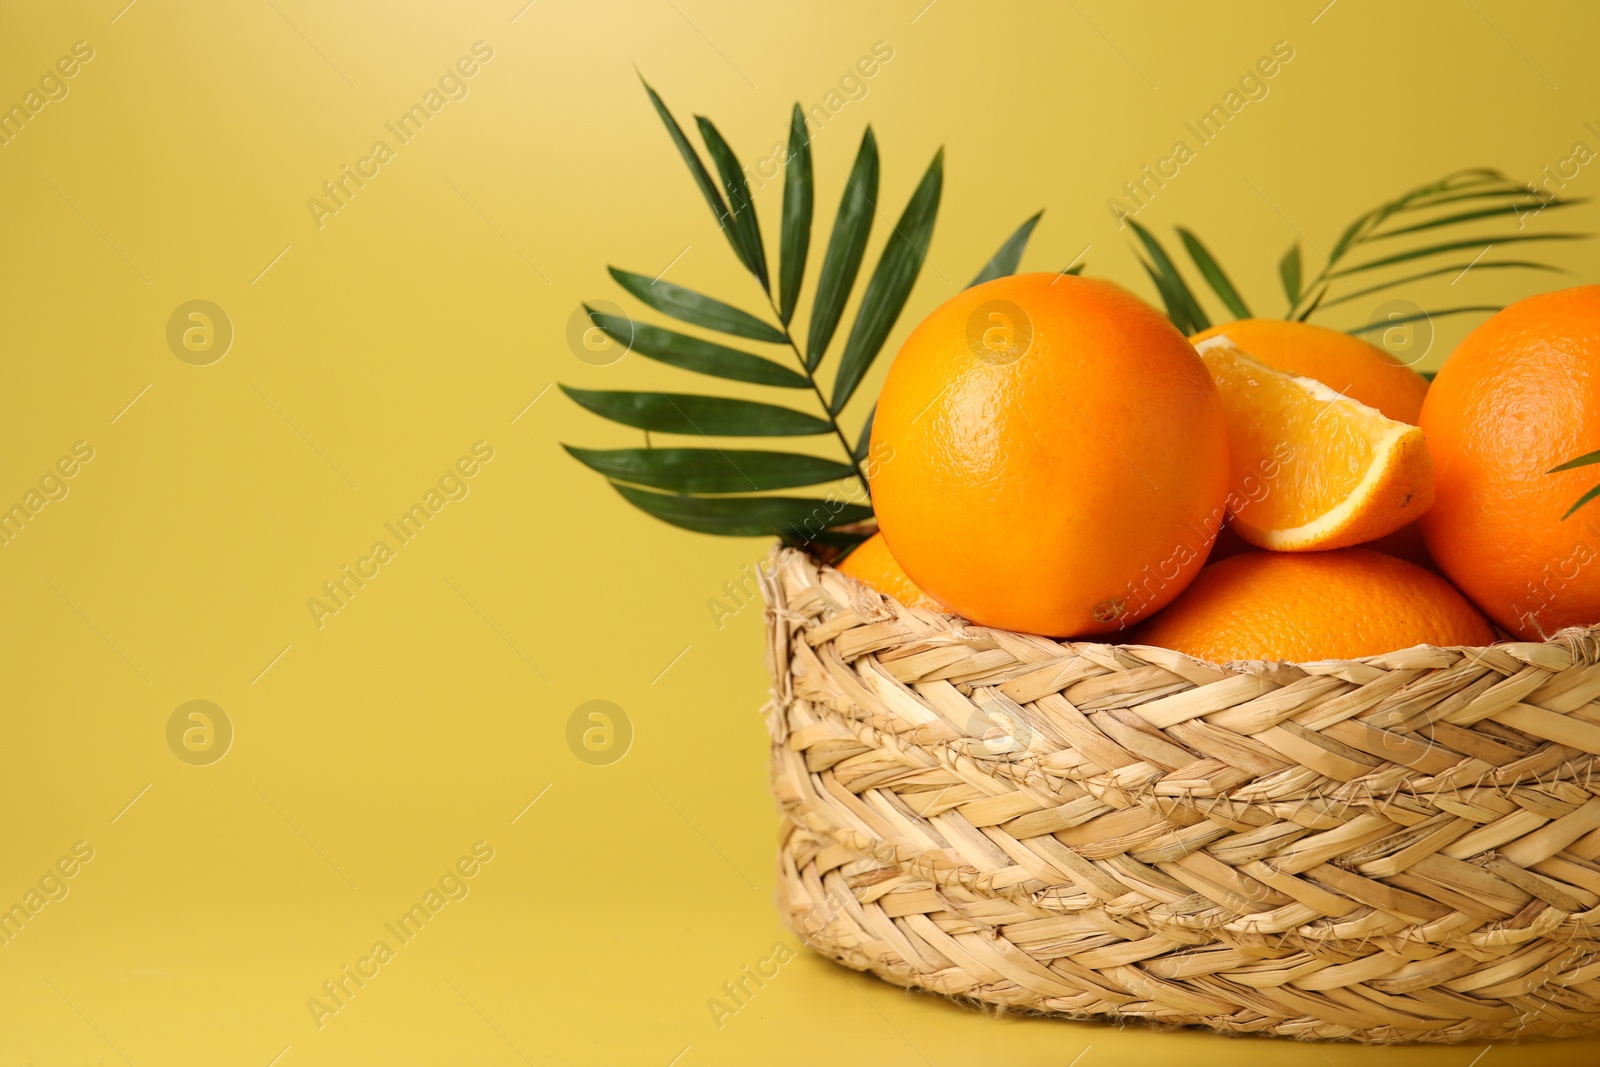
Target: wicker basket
(1397,848)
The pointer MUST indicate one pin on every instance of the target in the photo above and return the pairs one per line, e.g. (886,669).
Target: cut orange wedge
(1312,469)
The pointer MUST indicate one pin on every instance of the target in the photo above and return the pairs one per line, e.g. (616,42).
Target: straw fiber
(1397,848)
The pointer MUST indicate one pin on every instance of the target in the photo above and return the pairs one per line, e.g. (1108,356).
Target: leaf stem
(833,421)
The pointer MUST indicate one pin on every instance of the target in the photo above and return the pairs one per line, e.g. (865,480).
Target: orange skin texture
(1344,363)
(1520,395)
(1302,606)
(1070,491)
(872,565)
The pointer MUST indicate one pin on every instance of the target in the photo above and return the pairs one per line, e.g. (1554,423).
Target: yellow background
(425,316)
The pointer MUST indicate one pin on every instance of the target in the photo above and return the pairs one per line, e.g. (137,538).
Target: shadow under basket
(1396,848)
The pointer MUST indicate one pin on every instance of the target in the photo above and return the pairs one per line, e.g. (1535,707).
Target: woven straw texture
(1398,848)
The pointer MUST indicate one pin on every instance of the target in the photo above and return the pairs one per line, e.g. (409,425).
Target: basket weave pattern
(1397,848)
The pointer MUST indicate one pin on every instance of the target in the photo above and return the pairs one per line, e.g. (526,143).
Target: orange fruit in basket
(1343,363)
(1299,606)
(1055,456)
(1519,396)
(1312,469)
(872,564)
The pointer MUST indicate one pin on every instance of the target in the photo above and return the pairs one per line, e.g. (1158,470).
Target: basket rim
(1582,642)
(1576,648)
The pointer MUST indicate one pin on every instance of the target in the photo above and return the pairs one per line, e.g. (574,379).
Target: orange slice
(1312,469)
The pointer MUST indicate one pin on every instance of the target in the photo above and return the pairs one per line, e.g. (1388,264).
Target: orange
(1312,469)
(1343,363)
(1314,605)
(872,564)
(1055,456)
(1520,395)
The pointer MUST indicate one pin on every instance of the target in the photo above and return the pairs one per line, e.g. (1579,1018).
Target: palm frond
(1182,307)
(1420,221)
(721,489)
(1383,224)
(1214,275)
(1004,261)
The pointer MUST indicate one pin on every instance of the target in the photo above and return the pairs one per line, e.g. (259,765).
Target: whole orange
(872,563)
(1055,457)
(1299,606)
(1520,395)
(1343,363)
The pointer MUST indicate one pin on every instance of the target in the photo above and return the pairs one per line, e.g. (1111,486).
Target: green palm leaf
(692,307)
(1213,273)
(1182,307)
(1572,464)
(1384,324)
(1289,273)
(1351,233)
(746,230)
(688,474)
(1582,500)
(1470,216)
(1456,246)
(1170,300)
(1005,261)
(795,241)
(686,413)
(1316,302)
(1480,183)
(1454,268)
(691,159)
(864,442)
(792,518)
(890,284)
(710,470)
(691,353)
(1504,192)
(851,227)
(1491,185)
